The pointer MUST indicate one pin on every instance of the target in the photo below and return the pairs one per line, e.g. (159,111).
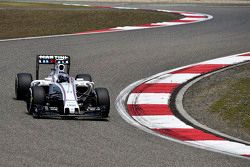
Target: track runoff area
(148,102)
(146,105)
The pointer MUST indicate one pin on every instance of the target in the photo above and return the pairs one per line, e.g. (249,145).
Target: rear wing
(52,59)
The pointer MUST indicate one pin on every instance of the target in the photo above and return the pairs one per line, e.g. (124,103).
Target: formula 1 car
(60,95)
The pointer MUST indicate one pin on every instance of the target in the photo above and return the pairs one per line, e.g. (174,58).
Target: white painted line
(38,37)
(192,14)
(74,4)
(224,145)
(125,8)
(174,23)
(194,19)
(127,28)
(160,24)
(227,60)
(148,98)
(176,11)
(173,78)
(168,121)
(162,10)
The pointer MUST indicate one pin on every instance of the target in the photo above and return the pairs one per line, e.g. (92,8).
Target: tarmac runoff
(148,105)
(150,111)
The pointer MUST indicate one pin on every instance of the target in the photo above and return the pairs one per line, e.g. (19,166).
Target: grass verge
(234,105)
(7,4)
(37,19)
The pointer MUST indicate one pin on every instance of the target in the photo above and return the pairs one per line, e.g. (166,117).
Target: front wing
(95,113)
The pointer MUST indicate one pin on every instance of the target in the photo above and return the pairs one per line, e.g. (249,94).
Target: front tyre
(103,101)
(22,85)
(38,100)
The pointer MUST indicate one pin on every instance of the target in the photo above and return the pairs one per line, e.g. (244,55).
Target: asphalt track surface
(115,60)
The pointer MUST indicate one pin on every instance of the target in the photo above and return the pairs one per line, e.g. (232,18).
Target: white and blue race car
(60,95)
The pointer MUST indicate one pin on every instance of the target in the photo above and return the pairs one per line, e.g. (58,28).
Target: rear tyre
(22,85)
(85,77)
(103,100)
(38,101)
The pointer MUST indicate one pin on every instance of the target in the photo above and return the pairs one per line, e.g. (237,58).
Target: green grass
(234,105)
(24,22)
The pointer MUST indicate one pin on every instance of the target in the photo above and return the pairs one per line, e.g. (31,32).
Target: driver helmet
(63,78)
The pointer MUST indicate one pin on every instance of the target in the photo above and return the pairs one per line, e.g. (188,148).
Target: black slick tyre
(103,100)
(85,77)
(38,100)
(22,85)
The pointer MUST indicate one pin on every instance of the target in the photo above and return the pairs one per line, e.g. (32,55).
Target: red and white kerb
(148,104)
(189,17)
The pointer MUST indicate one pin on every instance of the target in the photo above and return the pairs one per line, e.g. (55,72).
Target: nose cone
(71,106)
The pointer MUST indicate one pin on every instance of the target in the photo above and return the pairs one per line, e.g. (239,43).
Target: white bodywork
(68,89)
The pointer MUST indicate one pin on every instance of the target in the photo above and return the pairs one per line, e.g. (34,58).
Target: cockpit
(59,74)
(55,91)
